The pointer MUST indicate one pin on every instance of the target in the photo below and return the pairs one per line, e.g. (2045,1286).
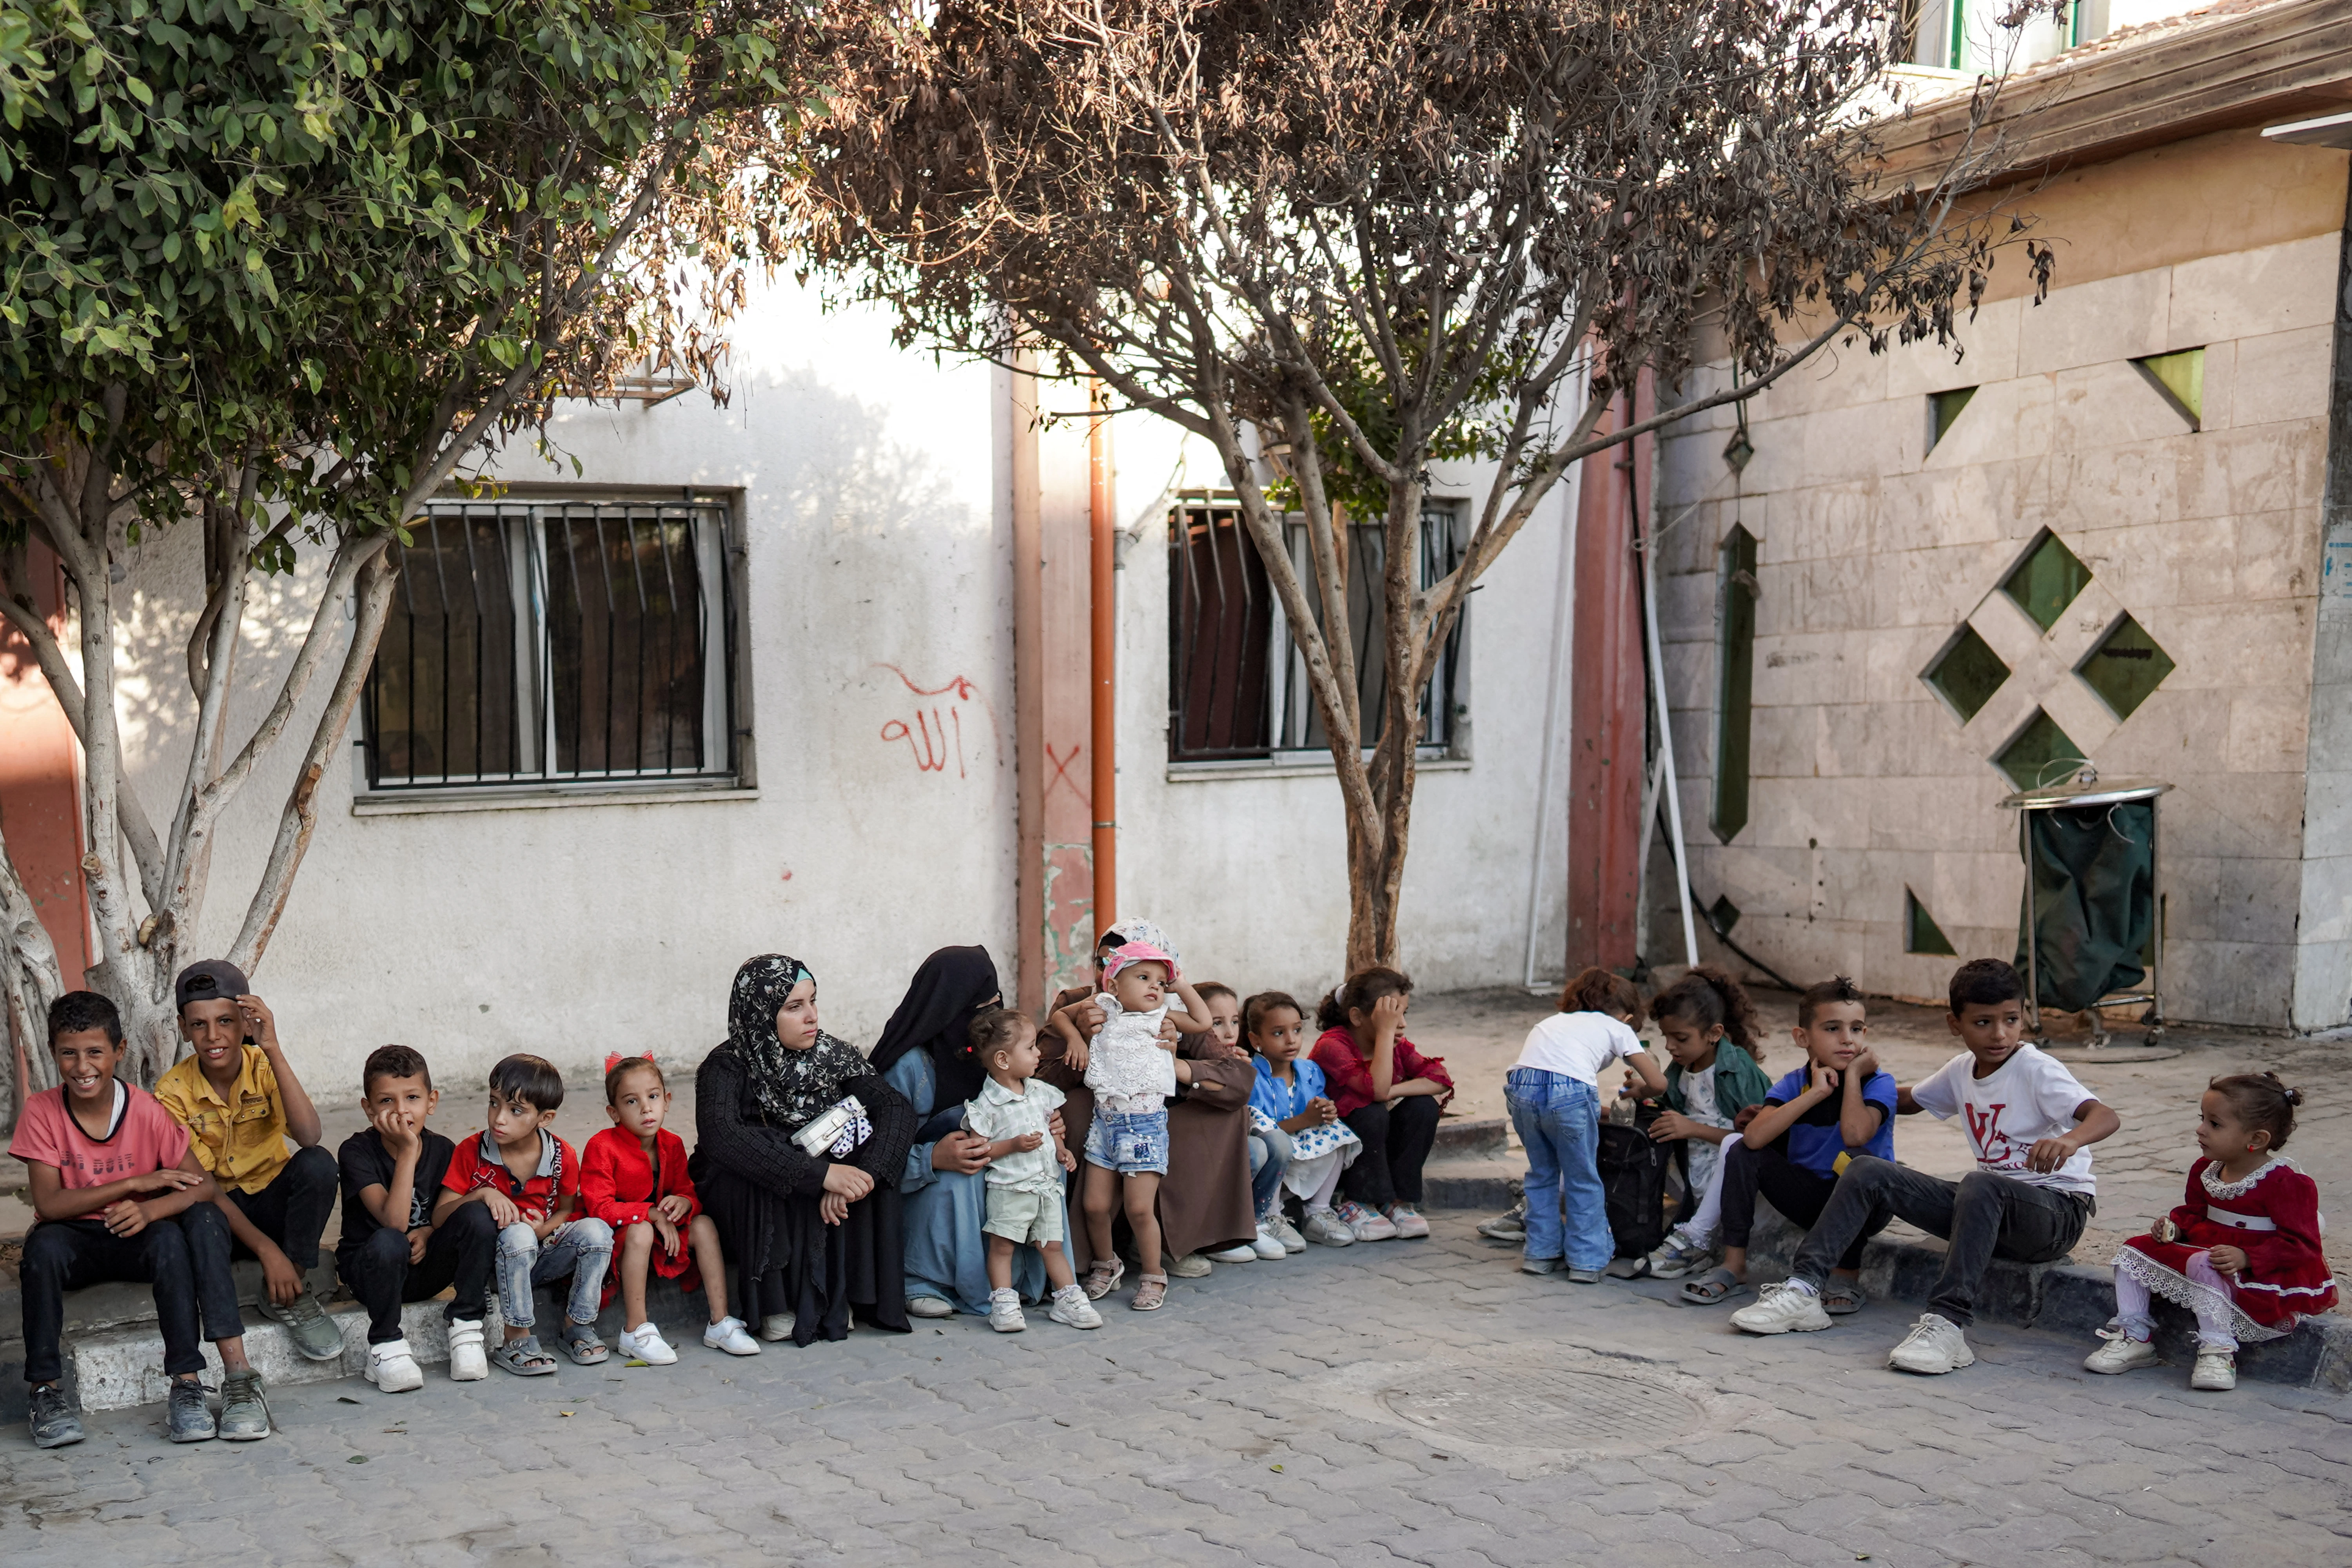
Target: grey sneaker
(245,1407)
(1542,1265)
(314,1333)
(1191,1265)
(55,1425)
(186,1419)
(1510,1227)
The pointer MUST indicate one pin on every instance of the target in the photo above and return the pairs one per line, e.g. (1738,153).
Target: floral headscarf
(791,1086)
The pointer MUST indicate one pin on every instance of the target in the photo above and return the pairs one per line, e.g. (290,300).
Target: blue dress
(946,1252)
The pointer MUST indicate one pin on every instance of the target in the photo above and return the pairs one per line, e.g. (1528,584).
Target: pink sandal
(1102,1278)
(1150,1292)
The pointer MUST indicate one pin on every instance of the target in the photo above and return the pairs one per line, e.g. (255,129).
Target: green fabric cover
(2093,870)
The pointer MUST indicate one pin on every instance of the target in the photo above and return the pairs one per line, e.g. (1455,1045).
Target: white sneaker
(1934,1345)
(2217,1371)
(1241,1252)
(1287,1234)
(1409,1225)
(1071,1307)
(1325,1228)
(1368,1226)
(1782,1309)
(929,1306)
(646,1344)
(390,1368)
(1004,1311)
(2119,1353)
(776,1328)
(729,1335)
(1267,1245)
(469,1362)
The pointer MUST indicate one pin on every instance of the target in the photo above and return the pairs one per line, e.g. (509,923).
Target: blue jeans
(1559,1118)
(580,1247)
(1269,1155)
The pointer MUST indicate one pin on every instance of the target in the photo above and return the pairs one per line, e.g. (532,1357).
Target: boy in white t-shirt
(2031,1125)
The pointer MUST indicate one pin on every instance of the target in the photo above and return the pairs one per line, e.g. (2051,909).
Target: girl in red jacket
(632,1177)
(2242,1253)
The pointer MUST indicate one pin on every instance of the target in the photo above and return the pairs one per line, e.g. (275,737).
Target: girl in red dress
(632,1177)
(2243,1252)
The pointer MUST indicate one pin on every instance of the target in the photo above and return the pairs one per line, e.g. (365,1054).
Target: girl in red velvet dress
(632,1177)
(2243,1252)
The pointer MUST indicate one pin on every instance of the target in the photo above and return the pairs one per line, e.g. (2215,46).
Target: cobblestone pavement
(1417,1402)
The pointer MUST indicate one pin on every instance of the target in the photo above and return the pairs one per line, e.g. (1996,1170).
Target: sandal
(1103,1278)
(1150,1292)
(581,1342)
(1714,1287)
(1840,1296)
(523,1358)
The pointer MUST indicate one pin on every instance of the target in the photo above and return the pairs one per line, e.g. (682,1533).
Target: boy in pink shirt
(120,1195)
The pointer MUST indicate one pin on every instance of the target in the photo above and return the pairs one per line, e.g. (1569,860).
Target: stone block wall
(1877,543)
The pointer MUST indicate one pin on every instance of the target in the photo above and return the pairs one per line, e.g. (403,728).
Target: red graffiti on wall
(935,736)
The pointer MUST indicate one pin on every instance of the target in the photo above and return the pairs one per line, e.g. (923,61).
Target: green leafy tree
(282,272)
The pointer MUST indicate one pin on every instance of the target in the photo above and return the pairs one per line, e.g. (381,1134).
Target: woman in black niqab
(952,988)
(796,1274)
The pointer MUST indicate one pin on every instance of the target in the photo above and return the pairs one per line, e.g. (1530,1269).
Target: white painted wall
(873,488)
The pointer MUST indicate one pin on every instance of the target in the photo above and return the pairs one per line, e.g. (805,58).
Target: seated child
(1013,1111)
(1265,1160)
(1554,1097)
(2031,1124)
(390,1251)
(1132,1076)
(1835,1108)
(2242,1251)
(632,1177)
(529,1181)
(240,1102)
(1710,1031)
(118,1195)
(1299,1122)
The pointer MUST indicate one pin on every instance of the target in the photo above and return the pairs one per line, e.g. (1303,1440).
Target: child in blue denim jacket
(1554,1097)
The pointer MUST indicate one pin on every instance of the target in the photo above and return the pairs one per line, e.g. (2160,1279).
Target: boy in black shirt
(390,1252)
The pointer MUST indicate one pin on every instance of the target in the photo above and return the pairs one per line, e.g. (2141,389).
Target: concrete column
(1608,726)
(1052,693)
(2323,968)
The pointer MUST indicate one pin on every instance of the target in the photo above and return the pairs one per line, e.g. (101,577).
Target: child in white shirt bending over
(1014,1113)
(1132,1076)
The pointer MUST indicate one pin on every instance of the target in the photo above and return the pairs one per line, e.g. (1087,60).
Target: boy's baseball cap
(209,980)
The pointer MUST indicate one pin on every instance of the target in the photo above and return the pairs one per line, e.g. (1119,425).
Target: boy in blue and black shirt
(1835,1106)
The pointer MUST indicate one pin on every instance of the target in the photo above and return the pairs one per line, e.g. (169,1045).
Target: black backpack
(1633,1183)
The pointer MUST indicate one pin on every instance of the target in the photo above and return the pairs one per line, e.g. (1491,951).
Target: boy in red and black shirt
(529,1179)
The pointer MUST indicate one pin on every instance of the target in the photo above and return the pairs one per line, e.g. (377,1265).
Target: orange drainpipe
(1103,732)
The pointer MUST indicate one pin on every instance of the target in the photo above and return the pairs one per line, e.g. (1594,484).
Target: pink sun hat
(1136,953)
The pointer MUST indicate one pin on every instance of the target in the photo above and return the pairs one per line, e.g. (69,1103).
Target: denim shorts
(1133,1143)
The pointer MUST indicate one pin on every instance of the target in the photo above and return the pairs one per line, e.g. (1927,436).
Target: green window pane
(1920,931)
(1943,408)
(2047,580)
(1723,914)
(2042,754)
(2181,378)
(1966,673)
(2126,666)
(1734,684)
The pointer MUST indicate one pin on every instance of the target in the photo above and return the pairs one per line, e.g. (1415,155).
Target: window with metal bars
(553,643)
(1237,685)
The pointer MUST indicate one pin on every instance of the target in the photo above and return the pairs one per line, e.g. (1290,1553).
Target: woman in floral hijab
(814,1239)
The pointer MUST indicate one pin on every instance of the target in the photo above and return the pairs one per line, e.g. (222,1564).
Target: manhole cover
(1544,1407)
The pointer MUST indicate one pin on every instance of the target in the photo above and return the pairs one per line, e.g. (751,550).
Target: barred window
(1237,685)
(555,643)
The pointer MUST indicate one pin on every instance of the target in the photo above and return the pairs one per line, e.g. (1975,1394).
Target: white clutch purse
(835,1131)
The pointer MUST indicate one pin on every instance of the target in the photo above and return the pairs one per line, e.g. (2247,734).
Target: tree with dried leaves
(1340,239)
(280,273)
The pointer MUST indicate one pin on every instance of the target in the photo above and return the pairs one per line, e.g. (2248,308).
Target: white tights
(1699,1230)
(2212,1321)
